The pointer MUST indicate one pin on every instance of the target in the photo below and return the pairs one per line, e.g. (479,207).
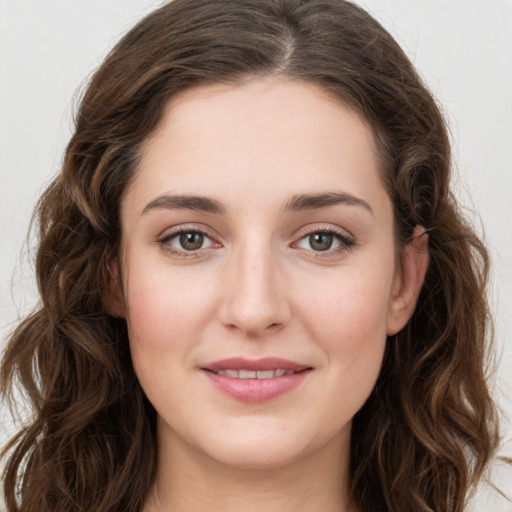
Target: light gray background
(463,49)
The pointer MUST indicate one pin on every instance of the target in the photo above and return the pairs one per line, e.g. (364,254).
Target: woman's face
(259,272)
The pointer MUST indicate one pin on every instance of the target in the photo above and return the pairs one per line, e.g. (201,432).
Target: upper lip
(266,363)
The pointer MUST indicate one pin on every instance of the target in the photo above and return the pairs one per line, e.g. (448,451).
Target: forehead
(265,107)
(262,138)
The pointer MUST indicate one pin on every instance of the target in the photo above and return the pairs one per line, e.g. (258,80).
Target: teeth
(246,374)
(260,374)
(265,374)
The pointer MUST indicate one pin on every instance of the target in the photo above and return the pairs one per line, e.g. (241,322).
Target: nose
(254,293)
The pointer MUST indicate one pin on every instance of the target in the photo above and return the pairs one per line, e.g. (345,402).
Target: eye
(191,241)
(319,241)
(325,241)
(185,241)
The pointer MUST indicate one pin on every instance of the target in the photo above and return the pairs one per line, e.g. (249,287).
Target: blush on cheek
(357,312)
(149,321)
(160,317)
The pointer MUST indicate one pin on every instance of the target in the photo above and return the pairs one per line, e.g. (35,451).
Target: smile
(252,374)
(255,380)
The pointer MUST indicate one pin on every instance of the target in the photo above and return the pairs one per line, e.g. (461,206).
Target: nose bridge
(255,299)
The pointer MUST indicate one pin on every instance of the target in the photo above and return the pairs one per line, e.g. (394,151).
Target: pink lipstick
(255,380)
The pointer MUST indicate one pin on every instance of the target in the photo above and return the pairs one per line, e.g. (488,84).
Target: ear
(114,297)
(408,281)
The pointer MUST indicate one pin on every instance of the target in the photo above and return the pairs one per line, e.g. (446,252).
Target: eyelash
(346,242)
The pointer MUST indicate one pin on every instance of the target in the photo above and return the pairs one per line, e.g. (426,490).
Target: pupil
(320,241)
(191,241)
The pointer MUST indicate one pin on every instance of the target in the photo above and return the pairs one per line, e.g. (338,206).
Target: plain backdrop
(462,48)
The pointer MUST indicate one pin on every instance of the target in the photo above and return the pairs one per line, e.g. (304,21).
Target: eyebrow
(298,202)
(323,200)
(197,203)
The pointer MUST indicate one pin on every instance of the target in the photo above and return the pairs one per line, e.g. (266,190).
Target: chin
(268,445)
(256,454)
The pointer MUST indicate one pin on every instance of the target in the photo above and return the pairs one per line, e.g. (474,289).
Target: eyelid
(325,228)
(192,226)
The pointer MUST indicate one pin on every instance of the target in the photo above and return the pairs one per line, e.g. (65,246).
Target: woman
(257,289)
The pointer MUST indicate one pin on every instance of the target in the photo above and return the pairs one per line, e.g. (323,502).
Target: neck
(187,480)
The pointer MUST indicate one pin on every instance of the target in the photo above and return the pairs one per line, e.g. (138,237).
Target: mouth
(255,381)
(256,374)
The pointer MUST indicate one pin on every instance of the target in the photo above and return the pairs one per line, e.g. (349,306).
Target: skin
(258,287)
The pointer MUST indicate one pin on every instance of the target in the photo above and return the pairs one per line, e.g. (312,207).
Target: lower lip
(256,390)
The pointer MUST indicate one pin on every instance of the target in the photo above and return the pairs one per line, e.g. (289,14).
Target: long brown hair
(424,436)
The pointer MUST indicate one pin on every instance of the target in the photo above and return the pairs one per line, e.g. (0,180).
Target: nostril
(253,308)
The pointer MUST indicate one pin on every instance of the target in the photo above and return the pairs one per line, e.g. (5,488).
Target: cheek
(163,319)
(352,305)
(166,312)
(347,317)
(164,308)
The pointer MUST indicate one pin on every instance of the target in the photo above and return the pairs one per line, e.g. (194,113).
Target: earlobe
(408,281)
(114,297)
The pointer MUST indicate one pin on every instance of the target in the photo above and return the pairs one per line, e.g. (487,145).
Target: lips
(255,380)
(267,363)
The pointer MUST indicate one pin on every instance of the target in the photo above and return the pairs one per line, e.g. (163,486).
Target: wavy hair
(423,438)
